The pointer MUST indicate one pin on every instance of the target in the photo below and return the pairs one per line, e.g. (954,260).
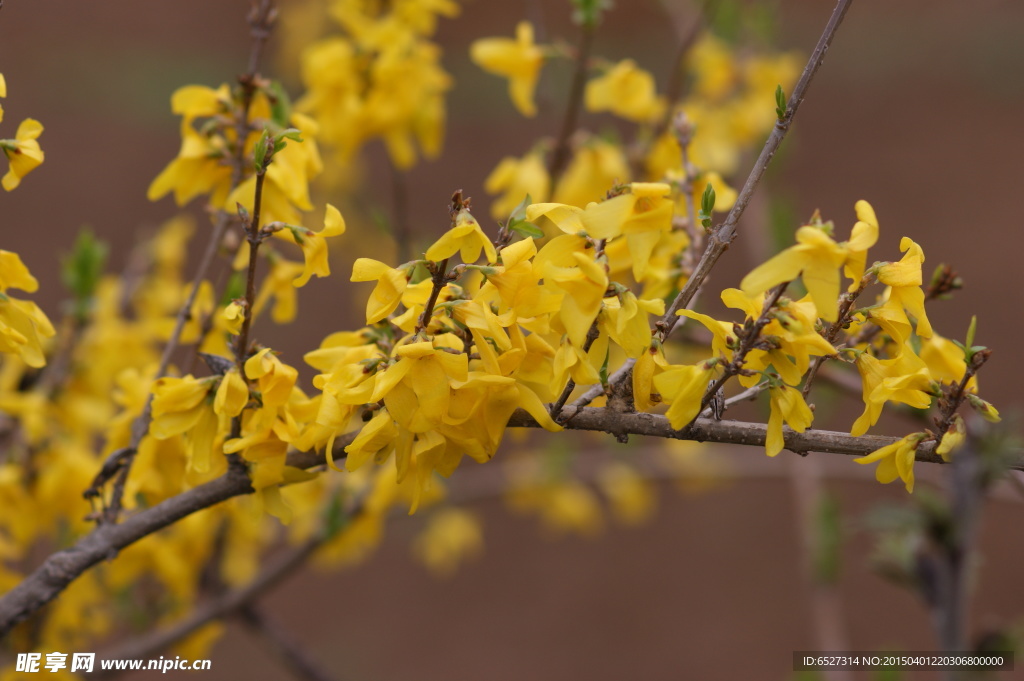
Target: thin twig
(282,646)
(677,77)
(140,426)
(439,277)
(723,235)
(751,334)
(842,321)
(556,406)
(560,152)
(160,639)
(254,237)
(261,18)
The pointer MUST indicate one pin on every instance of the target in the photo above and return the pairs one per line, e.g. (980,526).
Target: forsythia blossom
(519,60)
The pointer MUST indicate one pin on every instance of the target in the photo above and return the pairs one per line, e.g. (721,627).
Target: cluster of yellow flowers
(23,151)
(22,324)
(382,79)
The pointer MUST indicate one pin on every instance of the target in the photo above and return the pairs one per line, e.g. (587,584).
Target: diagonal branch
(160,639)
(61,568)
(723,235)
(261,18)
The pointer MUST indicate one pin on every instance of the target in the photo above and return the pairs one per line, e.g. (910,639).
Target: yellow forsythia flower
(279,285)
(465,238)
(631,496)
(627,91)
(198,167)
(232,394)
(233,316)
(596,166)
(314,248)
(904,378)
(584,286)
(895,460)
(684,387)
(952,438)
(452,535)
(23,152)
(391,284)
(181,407)
(22,324)
(817,259)
(904,296)
(787,405)
(517,178)
(518,60)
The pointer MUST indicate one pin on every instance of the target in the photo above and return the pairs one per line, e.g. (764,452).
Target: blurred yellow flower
(627,91)
(518,60)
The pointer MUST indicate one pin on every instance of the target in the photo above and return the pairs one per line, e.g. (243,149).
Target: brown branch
(262,17)
(281,645)
(721,237)
(560,152)
(140,426)
(254,237)
(160,639)
(750,335)
(674,89)
(61,568)
(730,432)
(439,276)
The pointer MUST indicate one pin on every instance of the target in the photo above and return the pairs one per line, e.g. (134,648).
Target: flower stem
(560,153)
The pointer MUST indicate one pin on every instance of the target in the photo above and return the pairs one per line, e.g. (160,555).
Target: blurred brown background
(918,109)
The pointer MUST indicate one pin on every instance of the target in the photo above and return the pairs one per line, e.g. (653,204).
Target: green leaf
(707,205)
(588,12)
(780,103)
(517,221)
(335,517)
(235,288)
(527,229)
(519,212)
(280,104)
(604,367)
(81,270)
(259,152)
(970,331)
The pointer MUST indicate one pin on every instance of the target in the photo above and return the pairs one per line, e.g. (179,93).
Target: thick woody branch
(281,645)
(61,568)
(103,543)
